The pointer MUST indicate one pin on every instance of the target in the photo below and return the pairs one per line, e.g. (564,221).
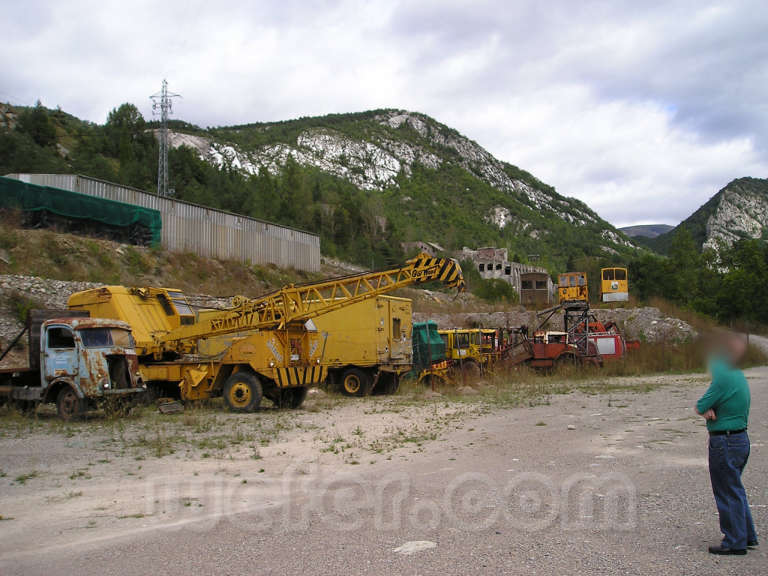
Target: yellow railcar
(614,285)
(572,286)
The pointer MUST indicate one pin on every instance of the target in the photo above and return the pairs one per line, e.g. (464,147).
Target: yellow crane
(266,346)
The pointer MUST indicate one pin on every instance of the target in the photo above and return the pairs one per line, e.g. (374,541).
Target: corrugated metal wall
(189,228)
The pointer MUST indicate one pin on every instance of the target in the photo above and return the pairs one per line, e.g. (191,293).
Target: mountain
(436,185)
(646,230)
(740,210)
(366,182)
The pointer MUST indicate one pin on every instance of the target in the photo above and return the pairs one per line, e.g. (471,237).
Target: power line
(162,105)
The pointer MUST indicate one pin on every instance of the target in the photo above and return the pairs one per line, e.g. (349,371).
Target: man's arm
(711,397)
(708,415)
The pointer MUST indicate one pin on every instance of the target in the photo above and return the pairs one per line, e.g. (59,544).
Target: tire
(242,392)
(69,406)
(355,382)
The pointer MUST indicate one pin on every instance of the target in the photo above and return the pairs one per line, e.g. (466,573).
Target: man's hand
(709,415)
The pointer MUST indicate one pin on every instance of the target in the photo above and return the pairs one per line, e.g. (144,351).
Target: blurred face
(727,345)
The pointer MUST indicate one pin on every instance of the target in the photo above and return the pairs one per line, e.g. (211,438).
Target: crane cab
(614,285)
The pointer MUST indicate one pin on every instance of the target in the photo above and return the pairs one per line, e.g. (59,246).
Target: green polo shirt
(728,396)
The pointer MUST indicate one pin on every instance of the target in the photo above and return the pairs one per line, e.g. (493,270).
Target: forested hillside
(365,182)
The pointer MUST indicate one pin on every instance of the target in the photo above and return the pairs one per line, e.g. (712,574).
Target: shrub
(19,304)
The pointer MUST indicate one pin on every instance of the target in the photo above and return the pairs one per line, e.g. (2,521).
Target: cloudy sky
(641,109)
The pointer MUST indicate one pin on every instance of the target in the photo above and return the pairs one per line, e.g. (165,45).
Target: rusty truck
(76,362)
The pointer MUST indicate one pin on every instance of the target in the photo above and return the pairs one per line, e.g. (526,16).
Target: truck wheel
(242,392)
(68,405)
(355,382)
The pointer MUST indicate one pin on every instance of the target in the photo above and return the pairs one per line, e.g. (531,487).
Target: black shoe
(752,544)
(723,551)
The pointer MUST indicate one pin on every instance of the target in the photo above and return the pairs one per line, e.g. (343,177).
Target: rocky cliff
(740,210)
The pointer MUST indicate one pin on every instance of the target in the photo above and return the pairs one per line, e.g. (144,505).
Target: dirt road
(606,480)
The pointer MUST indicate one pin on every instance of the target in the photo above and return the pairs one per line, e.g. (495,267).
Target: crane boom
(295,304)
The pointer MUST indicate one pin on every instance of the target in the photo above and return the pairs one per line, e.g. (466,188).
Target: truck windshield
(105,337)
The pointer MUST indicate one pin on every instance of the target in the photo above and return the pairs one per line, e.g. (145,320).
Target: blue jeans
(727,457)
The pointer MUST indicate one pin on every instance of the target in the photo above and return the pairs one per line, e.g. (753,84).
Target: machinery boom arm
(294,304)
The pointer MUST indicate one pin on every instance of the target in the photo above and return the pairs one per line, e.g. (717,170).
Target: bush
(496,290)
(19,304)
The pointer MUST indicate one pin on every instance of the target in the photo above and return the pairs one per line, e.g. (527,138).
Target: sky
(641,109)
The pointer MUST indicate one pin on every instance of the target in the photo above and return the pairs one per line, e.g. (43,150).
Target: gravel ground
(607,482)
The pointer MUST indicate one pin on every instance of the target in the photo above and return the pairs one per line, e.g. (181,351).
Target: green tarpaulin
(428,346)
(32,198)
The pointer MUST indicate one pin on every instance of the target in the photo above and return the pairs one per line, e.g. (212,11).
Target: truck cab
(76,362)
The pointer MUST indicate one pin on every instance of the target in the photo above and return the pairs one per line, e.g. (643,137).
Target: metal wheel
(355,382)
(242,392)
(68,405)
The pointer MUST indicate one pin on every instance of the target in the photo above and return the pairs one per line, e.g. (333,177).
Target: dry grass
(76,258)
(699,322)
(755,356)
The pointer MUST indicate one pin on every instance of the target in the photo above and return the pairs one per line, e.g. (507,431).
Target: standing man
(725,406)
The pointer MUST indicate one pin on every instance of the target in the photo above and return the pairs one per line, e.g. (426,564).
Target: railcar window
(621,274)
(608,274)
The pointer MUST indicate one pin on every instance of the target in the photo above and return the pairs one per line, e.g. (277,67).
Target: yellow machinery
(267,346)
(464,348)
(572,287)
(369,345)
(490,344)
(614,286)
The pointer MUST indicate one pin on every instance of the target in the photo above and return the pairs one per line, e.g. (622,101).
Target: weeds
(19,304)
(22,478)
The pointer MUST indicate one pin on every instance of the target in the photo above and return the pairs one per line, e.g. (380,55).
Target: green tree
(36,123)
